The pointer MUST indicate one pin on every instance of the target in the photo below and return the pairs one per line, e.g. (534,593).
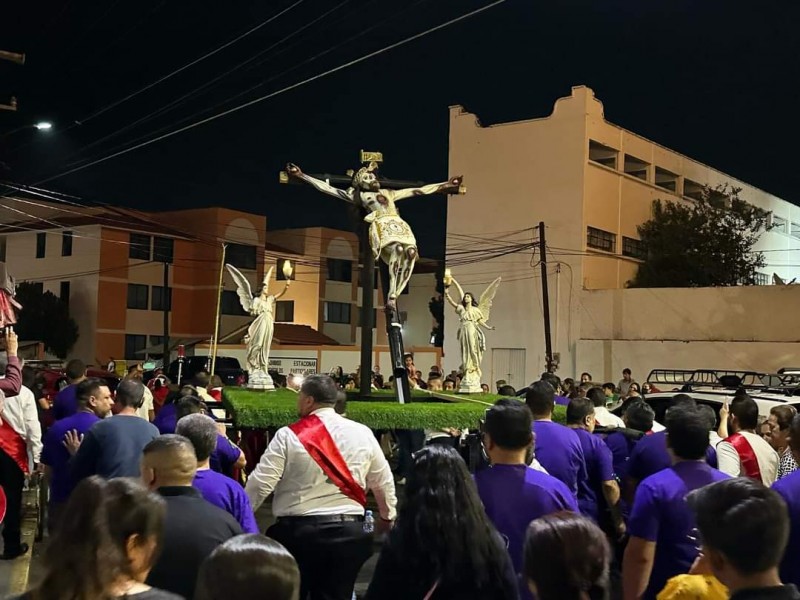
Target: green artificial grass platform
(259,410)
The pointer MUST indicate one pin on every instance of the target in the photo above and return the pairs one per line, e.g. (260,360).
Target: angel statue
(473,315)
(390,236)
(259,334)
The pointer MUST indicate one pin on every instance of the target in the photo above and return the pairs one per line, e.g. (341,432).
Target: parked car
(227,367)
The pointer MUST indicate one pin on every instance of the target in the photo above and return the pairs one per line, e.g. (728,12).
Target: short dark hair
(509,424)
(321,388)
(552,379)
(201,430)
(709,415)
(187,405)
(88,388)
(76,369)
(626,371)
(578,409)
(541,398)
(609,386)
(743,520)
(507,390)
(168,441)
(639,415)
(745,409)
(587,374)
(596,396)
(245,566)
(687,432)
(201,379)
(683,400)
(130,393)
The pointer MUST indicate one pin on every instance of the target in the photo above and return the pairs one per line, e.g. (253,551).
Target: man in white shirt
(321,522)
(20,449)
(602,415)
(744,453)
(147,410)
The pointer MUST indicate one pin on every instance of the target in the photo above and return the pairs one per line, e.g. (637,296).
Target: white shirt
(657,427)
(301,487)
(144,410)
(730,463)
(20,412)
(605,418)
(713,439)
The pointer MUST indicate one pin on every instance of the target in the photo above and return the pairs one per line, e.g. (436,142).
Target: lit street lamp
(44,125)
(40,125)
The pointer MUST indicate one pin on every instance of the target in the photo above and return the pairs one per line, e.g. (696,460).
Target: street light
(41,126)
(44,125)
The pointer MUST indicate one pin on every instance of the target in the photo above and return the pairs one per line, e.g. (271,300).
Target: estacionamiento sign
(297,366)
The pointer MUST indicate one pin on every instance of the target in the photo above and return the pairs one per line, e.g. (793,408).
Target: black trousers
(329,555)
(12,479)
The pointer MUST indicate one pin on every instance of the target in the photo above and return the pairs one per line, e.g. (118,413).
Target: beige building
(592,183)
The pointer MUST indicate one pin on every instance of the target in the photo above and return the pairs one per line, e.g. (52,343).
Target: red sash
(319,444)
(746,455)
(14,445)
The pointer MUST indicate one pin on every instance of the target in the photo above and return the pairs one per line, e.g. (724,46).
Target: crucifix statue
(390,239)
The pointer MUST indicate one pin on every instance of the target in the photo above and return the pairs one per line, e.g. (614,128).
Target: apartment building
(592,183)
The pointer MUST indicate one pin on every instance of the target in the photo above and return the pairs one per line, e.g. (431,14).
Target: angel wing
(242,287)
(485,303)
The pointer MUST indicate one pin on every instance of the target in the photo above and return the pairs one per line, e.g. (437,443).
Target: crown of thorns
(359,176)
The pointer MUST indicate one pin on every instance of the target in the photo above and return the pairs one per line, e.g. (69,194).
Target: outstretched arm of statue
(450,301)
(453,186)
(485,325)
(285,289)
(322,186)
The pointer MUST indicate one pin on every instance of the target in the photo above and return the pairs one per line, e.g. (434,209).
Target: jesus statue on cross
(390,237)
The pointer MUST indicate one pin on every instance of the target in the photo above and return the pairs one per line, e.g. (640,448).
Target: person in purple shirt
(558,448)
(650,454)
(789,488)
(638,419)
(217,489)
(598,494)
(66,402)
(744,527)
(512,493)
(663,540)
(94,403)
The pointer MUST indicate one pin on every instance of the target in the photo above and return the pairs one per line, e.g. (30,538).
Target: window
(284,311)
(779,224)
(374,317)
(692,189)
(163,249)
(157,302)
(279,268)
(633,248)
(140,247)
(137,296)
(761,279)
(337,312)
(795,230)
(241,256)
(636,167)
(66,243)
(134,343)
(41,244)
(231,305)
(63,293)
(666,179)
(602,155)
(340,270)
(156,340)
(601,240)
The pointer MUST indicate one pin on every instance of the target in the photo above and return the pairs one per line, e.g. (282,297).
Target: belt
(320,519)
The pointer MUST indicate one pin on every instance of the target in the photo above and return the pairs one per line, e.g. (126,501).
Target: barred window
(633,248)
(601,240)
(762,278)
(779,224)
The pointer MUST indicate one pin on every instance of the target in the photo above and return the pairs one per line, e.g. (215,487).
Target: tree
(45,317)
(706,243)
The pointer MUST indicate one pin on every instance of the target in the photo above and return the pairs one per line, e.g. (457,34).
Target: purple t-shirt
(789,488)
(224,456)
(559,451)
(621,447)
(228,495)
(660,514)
(515,495)
(650,455)
(166,419)
(66,402)
(55,455)
(599,468)
(562,400)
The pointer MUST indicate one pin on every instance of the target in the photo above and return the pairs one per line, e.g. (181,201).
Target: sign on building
(298,366)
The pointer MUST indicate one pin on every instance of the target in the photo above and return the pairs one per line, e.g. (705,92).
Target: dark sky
(716,80)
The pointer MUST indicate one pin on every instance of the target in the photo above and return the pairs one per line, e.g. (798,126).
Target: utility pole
(220,285)
(545,300)
(166,301)
(367,306)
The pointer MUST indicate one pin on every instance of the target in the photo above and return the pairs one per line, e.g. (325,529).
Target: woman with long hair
(107,546)
(780,417)
(567,558)
(443,544)
(249,567)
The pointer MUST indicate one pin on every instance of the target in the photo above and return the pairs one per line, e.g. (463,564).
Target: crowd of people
(623,499)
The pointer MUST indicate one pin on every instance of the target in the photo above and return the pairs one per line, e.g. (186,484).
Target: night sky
(716,80)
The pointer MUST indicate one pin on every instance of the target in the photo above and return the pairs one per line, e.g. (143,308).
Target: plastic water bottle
(369,522)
